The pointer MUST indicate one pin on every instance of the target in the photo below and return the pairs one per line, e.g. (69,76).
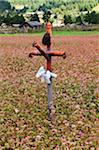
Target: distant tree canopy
(46,16)
(23,10)
(10,18)
(67,19)
(4,5)
(1,19)
(69,11)
(92,17)
(62,4)
(34,17)
(17,19)
(87,6)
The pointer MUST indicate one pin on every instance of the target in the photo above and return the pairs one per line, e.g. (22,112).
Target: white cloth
(45,75)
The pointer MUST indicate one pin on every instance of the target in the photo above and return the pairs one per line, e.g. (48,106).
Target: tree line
(69,11)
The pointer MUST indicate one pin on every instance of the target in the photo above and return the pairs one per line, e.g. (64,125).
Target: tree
(35,17)
(46,16)
(17,19)
(67,19)
(23,10)
(4,5)
(1,19)
(7,18)
(79,20)
(92,17)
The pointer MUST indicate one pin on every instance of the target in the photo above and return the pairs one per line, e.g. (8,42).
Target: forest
(72,11)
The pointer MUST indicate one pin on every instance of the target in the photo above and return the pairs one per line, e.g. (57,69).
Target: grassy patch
(57,33)
(74,33)
(96,8)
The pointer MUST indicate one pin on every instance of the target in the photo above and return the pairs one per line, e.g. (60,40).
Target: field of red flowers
(23,101)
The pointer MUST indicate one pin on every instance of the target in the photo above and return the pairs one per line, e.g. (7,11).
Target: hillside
(56,11)
(81,5)
(96,8)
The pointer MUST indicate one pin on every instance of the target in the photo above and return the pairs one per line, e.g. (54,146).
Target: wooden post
(50,101)
(51,109)
(49,93)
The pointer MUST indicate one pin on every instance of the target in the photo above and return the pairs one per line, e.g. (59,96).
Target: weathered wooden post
(48,55)
(51,109)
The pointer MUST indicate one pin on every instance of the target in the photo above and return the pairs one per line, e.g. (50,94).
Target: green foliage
(46,16)
(4,5)
(67,19)
(79,20)
(52,4)
(92,17)
(23,10)
(68,11)
(7,19)
(12,18)
(17,19)
(1,19)
(34,17)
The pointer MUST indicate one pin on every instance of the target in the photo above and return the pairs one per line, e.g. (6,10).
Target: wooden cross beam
(48,54)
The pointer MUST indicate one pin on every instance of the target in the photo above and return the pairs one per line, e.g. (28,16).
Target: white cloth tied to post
(45,75)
